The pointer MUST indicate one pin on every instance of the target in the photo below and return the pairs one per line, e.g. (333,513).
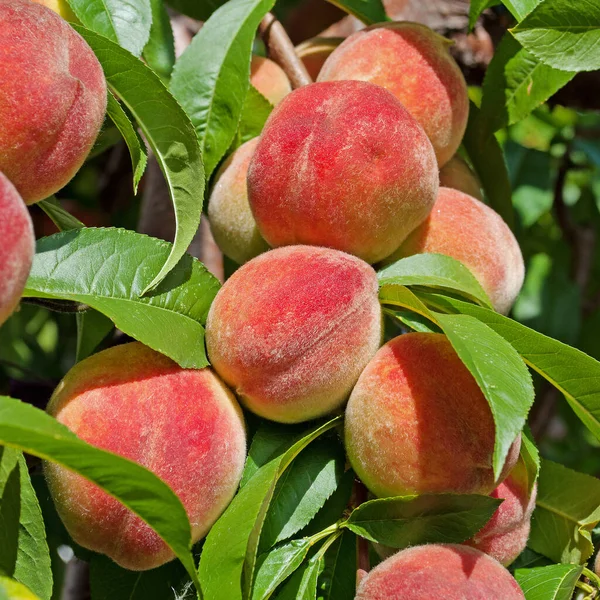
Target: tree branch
(282,51)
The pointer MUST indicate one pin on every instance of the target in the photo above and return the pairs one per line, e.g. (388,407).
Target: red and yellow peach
(269,79)
(458,175)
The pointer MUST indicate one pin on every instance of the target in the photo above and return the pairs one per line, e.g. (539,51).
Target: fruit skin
(464,228)
(315,51)
(60,7)
(182,424)
(448,571)
(412,62)
(417,422)
(292,329)
(52,99)
(458,175)
(343,165)
(269,79)
(505,535)
(231,220)
(13,590)
(17,247)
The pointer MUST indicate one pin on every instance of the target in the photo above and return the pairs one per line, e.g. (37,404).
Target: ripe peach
(417,422)
(469,231)
(17,246)
(292,329)
(52,99)
(505,535)
(60,7)
(231,220)
(269,79)
(342,164)
(315,51)
(412,62)
(458,175)
(446,571)
(182,424)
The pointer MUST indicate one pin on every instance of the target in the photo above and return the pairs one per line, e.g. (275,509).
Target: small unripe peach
(315,51)
(342,164)
(269,79)
(231,220)
(182,424)
(458,175)
(417,422)
(52,99)
(17,246)
(505,535)
(292,329)
(447,571)
(473,233)
(412,62)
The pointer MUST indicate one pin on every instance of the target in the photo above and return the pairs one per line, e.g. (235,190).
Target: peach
(597,565)
(412,62)
(17,247)
(60,7)
(505,535)
(448,571)
(269,79)
(342,164)
(464,228)
(417,422)
(315,51)
(292,329)
(52,99)
(231,220)
(182,424)
(13,590)
(458,175)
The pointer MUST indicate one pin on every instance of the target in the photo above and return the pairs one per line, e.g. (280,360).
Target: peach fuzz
(52,99)
(269,79)
(343,165)
(505,535)
(448,571)
(417,422)
(182,424)
(458,175)
(292,329)
(413,62)
(315,51)
(466,229)
(229,214)
(17,247)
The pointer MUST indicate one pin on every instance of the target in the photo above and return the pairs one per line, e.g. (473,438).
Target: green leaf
(531,458)
(367,11)
(24,553)
(126,22)
(431,518)
(108,581)
(302,491)
(515,83)
(520,8)
(159,52)
(58,215)
(303,584)
(500,373)
(339,575)
(572,372)
(555,582)
(92,328)
(435,271)
(567,509)
(137,148)
(107,270)
(169,133)
(413,321)
(493,362)
(255,113)
(33,431)
(13,590)
(563,34)
(230,548)
(487,159)
(477,7)
(211,78)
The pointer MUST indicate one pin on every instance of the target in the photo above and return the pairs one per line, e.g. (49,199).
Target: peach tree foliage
(293,528)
